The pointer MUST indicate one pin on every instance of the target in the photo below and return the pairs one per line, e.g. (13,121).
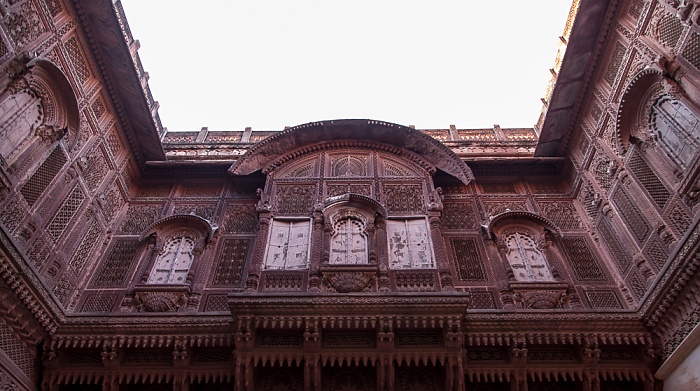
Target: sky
(267,64)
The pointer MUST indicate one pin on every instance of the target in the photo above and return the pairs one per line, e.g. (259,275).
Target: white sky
(269,64)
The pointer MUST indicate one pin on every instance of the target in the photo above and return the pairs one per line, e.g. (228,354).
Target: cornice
(589,36)
(99,23)
(267,153)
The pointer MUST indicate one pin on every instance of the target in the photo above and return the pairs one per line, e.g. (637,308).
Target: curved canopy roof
(267,151)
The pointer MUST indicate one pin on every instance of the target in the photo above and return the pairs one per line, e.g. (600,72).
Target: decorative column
(381,253)
(264,216)
(316,256)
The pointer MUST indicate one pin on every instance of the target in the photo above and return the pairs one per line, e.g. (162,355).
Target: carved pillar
(381,251)
(591,380)
(316,256)
(440,251)
(258,252)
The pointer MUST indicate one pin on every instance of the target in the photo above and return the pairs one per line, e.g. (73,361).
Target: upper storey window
(677,130)
(348,242)
(526,259)
(288,245)
(174,262)
(409,244)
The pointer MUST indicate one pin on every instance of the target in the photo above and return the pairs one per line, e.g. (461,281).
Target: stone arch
(275,150)
(60,102)
(180,221)
(520,217)
(640,92)
(39,103)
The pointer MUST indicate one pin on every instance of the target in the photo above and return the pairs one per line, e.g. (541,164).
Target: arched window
(174,262)
(676,129)
(348,242)
(526,259)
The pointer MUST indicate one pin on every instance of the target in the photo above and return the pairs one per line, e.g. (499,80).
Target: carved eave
(350,307)
(265,154)
(486,328)
(588,35)
(100,25)
(530,166)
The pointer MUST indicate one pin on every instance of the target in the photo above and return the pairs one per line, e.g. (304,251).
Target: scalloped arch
(520,214)
(639,90)
(189,221)
(276,149)
(66,113)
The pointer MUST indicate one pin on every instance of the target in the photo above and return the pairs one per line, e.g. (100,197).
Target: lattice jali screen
(582,259)
(280,339)
(75,54)
(458,215)
(230,262)
(37,183)
(649,180)
(96,170)
(679,218)
(85,248)
(85,357)
(619,254)
(349,340)
(617,355)
(16,351)
(562,213)
(498,188)
(691,52)
(40,251)
(240,218)
(481,300)
(99,302)
(139,217)
(637,284)
(216,303)
(214,356)
(614,63)
(117,265)
(554,355)
(468,260)
(485,355)
(632,216)
(63,216)
(657,253)
(669,30)
(603,299)
(418,338)
(63,289)
(149,357)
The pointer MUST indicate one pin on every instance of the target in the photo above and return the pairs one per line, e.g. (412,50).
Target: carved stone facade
(349,254)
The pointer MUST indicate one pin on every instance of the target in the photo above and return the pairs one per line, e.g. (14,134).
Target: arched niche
(38,104)
(654,110)
(523,238)
(303,139)
(351,220)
